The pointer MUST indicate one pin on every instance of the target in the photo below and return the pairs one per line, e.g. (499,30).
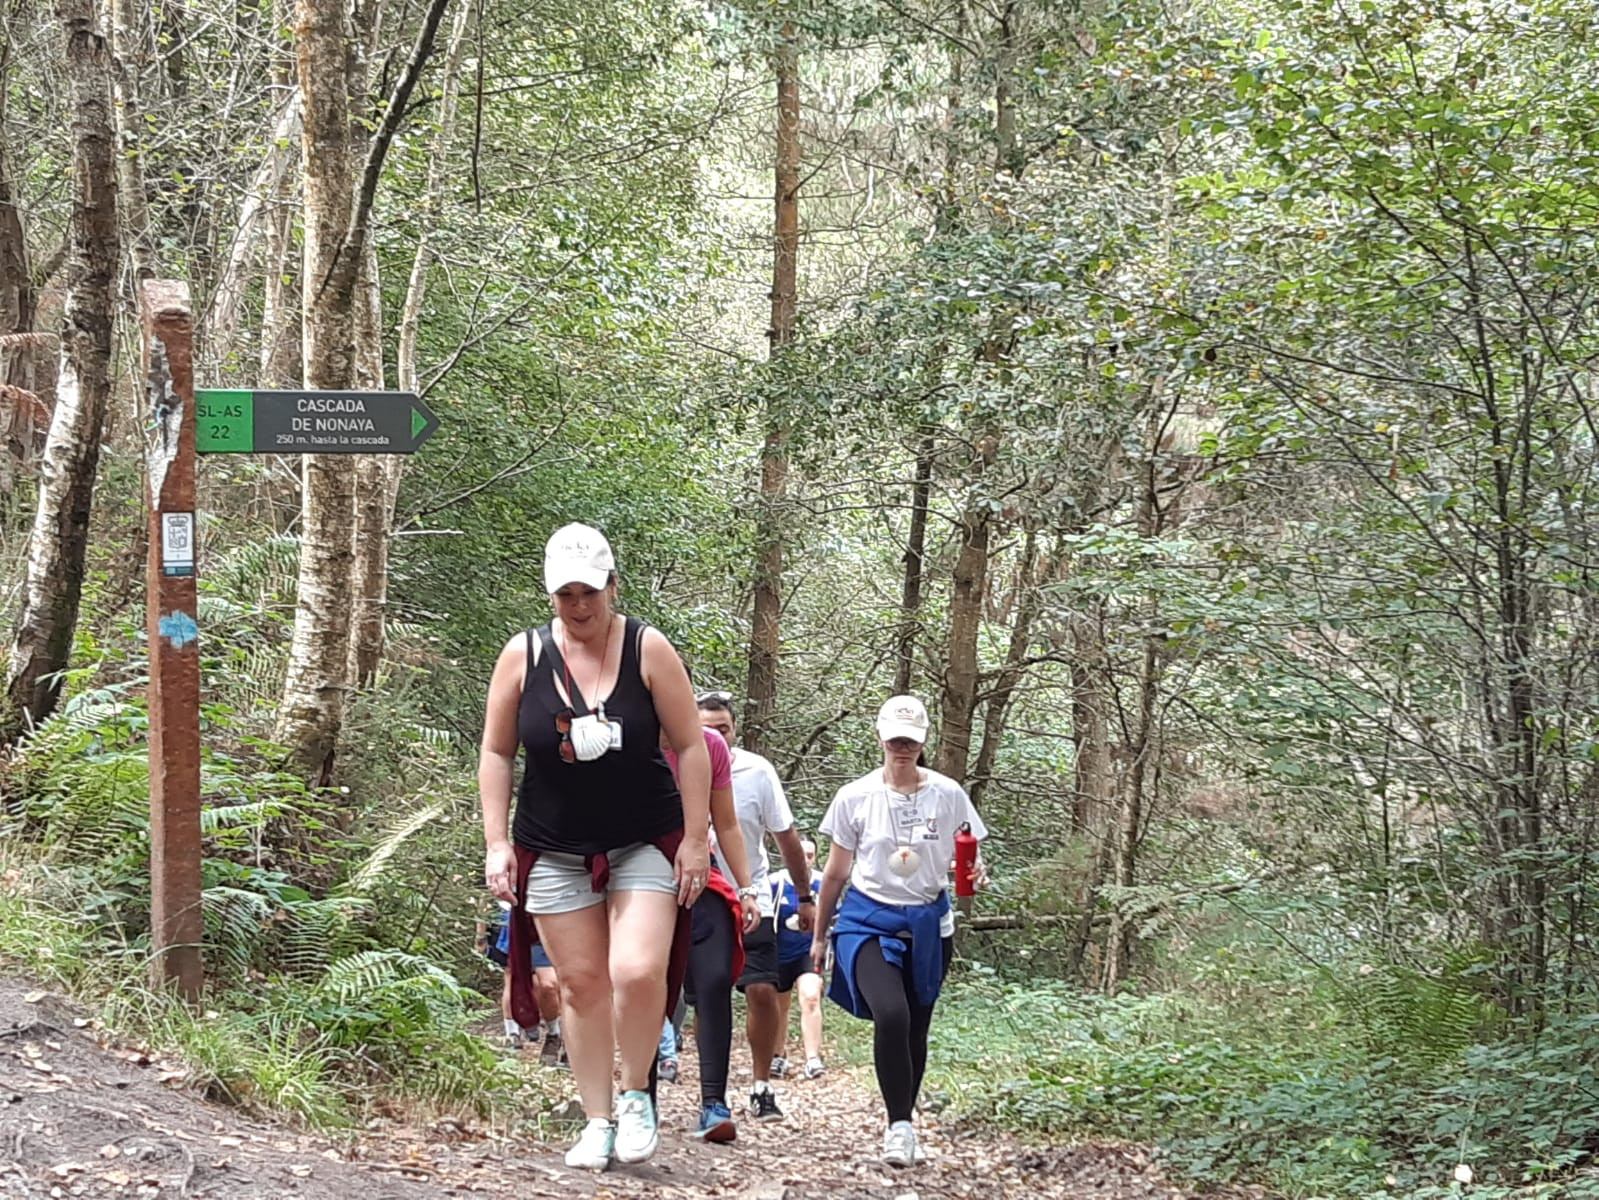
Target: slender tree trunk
(959,704)
(42,639)
(761,690)
(130,50)
(910,605)
(17,392)
(1093,778)
(312,709)
(1130,822)
(265,214)
(379,481)
(1010,675)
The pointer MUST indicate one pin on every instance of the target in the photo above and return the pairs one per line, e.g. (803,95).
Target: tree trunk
(1010,675)
(1130,823)
(960,658)
(328,52)
(312,708)
(267,209)
(17,392)
(379,475)
(910,605)
(53,585)
(377,481)
(1093,779)
(130,51)
(760,697)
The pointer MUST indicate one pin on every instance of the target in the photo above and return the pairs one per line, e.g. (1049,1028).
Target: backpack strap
(558,669)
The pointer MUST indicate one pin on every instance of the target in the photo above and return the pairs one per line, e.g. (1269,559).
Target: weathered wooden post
(176,926)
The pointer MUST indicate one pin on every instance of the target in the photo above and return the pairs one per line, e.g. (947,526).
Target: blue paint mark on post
(179,629)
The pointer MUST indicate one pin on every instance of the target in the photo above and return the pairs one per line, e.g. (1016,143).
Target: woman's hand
(819,953)
(752,912)
(499,871)
(692,867)
(980,878)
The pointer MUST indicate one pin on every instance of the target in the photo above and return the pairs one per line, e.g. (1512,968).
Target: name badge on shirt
(616,733)
(908,818)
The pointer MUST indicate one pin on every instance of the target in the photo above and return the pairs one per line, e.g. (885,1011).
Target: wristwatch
(805,899)
(752,890)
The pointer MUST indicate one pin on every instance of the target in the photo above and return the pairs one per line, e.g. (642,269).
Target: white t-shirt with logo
(762,808)
(871,820)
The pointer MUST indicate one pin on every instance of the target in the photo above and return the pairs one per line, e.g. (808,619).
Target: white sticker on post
(177,543)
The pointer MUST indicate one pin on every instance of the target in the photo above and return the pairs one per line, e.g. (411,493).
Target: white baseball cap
(577,554)
(902,717)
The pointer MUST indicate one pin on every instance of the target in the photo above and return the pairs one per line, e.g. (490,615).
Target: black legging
(710,984)
(899,1025)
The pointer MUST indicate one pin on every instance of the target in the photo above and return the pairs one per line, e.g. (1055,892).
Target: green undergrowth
(338,925)
(1308,1097)
(379,1030)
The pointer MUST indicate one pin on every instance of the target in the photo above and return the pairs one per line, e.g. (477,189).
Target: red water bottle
(965,861)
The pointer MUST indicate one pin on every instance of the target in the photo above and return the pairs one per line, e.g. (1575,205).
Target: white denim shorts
(560,883)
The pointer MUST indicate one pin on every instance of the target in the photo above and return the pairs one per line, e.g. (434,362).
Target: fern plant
(1423,1019)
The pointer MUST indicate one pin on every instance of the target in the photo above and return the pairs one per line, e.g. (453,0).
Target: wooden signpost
(179,423)
(174,638)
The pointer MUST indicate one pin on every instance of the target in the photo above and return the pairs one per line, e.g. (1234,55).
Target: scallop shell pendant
(904,861)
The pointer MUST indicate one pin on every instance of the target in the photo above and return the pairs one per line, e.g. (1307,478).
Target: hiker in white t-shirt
(763,812)
(893,834)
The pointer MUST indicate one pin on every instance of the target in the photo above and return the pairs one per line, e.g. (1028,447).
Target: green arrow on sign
(235,421)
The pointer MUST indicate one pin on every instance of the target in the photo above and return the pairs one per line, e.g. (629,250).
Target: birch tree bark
(379,475)
(280,294)
(42,637)
(312,708)
(337,212)
(130,52)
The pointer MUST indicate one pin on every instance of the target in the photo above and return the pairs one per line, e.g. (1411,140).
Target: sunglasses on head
(714,698)
(563,726)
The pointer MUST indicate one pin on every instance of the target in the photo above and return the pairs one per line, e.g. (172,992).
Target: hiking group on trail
(634,876)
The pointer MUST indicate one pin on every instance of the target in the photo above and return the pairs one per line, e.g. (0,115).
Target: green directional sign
(310,422)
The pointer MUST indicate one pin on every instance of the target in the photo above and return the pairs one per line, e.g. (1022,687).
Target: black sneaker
(666,1070)
(763,1103)
(553,1052)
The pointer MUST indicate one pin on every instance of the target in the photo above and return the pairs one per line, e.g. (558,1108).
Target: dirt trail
(81,1119)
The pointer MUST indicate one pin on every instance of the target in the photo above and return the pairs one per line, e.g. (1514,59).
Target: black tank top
(622,797)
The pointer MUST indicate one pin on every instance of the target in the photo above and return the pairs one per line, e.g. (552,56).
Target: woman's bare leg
(640,943)
(809,987)
(578,945)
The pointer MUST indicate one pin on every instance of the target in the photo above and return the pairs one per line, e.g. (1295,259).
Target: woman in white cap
(893,834)
(607,848)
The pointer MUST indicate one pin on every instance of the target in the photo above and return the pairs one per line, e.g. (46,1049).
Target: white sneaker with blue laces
(636,1135)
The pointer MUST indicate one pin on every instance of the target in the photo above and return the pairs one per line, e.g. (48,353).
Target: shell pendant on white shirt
(904,861)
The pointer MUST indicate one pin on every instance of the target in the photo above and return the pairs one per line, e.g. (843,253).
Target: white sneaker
(594,1147)
(899,1144)
(636,1136)
(813,1068)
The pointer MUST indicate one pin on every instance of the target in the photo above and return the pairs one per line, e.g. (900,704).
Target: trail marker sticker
(177,543)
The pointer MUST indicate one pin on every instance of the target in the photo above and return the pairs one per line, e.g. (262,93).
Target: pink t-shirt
(721,760)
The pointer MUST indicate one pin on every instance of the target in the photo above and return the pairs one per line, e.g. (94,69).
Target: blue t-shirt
(791,943)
